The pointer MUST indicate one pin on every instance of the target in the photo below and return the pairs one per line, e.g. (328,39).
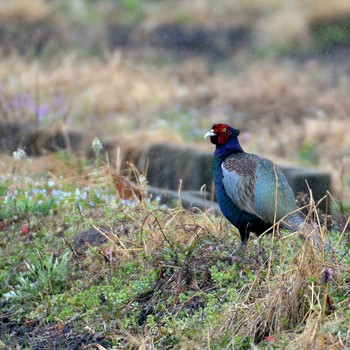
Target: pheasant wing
(239,178)
(254,183)
(272,192)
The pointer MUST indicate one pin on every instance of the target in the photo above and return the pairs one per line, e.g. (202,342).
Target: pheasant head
(224,137)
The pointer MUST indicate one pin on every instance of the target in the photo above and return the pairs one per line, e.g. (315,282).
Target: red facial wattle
(223,133)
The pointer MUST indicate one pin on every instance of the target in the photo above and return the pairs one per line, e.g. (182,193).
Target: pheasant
(247,187)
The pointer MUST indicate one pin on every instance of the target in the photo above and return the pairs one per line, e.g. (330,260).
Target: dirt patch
(91,236)
(49,336)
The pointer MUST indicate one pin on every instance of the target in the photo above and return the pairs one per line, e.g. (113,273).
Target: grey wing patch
(239,178)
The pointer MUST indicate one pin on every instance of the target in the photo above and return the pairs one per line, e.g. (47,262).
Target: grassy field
(82,266)
(151,276)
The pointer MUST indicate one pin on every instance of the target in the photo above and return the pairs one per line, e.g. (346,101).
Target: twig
(61,232)
(274,225)
(340,238)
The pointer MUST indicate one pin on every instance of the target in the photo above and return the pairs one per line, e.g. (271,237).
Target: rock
(90,236)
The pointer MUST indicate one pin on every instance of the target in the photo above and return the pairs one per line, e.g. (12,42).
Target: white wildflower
(19,154)
(77,193)
(143,184)
(51,183)
(96,145)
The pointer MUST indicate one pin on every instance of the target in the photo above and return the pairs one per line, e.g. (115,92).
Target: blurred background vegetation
(279,70)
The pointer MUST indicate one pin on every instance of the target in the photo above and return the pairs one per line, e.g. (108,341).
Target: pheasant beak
(210,133)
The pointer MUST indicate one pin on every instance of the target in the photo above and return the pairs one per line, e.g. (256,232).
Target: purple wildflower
(42,112)
(327,275)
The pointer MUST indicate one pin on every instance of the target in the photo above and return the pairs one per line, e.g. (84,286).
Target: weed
(45,276)
(97,147)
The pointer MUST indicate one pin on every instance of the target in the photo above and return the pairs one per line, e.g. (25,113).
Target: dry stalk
(274,224)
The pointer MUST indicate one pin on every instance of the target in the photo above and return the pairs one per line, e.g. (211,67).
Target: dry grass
(279,106)
(51,163)
(276,24)
(24,11)
(295,302)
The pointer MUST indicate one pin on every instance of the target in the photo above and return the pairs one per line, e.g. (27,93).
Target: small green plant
(132,6)
(47,197)
(223,275)
(45,275)
(97,147)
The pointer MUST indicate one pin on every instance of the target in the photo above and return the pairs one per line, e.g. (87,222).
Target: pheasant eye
(223,129)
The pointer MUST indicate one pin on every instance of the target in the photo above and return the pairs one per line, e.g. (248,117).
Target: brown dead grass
(293,302)
(22,10)
(182,11)
(279,105)
(41,165)
(280,25)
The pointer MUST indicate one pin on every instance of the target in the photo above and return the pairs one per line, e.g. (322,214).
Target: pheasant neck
(232,146)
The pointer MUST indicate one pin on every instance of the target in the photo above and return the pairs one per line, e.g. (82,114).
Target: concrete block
(318,181)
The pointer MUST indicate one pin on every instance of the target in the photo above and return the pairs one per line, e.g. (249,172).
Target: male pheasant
(247,187)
